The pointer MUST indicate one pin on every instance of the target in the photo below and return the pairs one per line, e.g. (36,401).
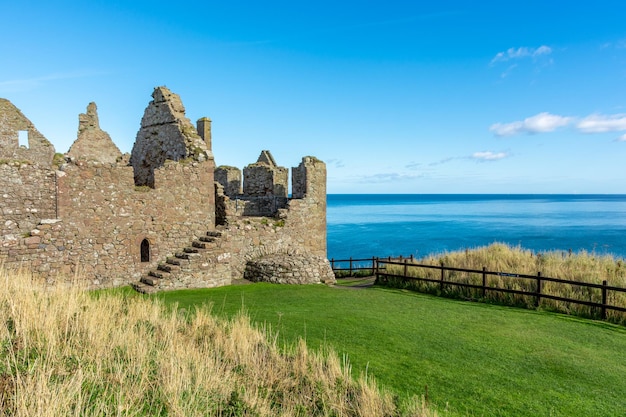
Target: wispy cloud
(540,123)
(619,44)
(621,138)
(337,163)
(521,53)
(514,57)
(488,156)
(444,161)
(388,177)
(26,84)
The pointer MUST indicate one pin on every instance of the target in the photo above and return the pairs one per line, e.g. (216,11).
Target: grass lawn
(475,359)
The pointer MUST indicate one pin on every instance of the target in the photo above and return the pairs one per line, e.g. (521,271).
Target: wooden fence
(405,269)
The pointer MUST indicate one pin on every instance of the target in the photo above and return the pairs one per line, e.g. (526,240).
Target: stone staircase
(200,265)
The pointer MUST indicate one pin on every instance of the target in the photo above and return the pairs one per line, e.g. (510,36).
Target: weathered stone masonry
(156,219)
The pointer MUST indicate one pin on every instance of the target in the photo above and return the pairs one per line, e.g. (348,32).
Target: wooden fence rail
(379,268)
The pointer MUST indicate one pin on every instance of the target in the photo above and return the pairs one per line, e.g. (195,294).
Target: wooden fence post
(442,278)
(484,281)
(538,299)
(332,263)
(604,300)
(350,266)
(405,268)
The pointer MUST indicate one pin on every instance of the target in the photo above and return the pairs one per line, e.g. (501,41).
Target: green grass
(475,359)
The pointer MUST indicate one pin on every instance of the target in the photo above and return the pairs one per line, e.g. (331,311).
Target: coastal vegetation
(64,351)
(465,359)
(310,350)
(578,267)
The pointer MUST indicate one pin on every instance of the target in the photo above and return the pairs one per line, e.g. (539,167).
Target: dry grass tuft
(499,257)
(67,352)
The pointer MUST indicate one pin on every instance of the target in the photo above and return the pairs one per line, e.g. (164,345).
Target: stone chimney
(204,130)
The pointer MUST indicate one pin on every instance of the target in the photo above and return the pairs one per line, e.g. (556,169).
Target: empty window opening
(145,250)
(23,138)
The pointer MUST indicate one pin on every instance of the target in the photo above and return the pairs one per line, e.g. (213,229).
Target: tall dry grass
(66,352)
(499,257)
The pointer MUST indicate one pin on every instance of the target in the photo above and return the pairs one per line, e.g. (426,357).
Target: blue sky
(396,97)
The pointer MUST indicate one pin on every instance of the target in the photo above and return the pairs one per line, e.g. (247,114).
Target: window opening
(23,138)
(145,250)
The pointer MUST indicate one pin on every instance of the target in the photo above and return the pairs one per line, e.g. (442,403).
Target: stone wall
(299,228)
(230,179)
(265,178)
(105,217)
(27,194)
(290,269)
(307,207)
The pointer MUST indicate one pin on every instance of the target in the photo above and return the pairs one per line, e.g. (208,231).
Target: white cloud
(520,53)
(488,156)
(388,177)
(598,123)
(540,123)
(622,138)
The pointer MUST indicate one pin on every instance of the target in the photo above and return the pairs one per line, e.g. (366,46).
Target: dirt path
(355,283)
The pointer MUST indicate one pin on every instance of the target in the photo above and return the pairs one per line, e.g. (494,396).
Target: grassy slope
(480,359)
(66,352)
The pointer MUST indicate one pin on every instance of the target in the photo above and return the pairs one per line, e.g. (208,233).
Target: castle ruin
(164,217)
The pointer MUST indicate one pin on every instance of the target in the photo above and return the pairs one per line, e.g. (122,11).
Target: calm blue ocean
(362,226)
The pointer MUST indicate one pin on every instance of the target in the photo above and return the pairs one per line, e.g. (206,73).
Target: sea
(368,225)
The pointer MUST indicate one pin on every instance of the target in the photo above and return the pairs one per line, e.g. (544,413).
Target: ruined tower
(165,133)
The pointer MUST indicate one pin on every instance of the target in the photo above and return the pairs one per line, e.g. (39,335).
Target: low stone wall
(290,269)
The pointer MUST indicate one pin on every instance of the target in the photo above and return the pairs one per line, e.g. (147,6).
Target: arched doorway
(145,250)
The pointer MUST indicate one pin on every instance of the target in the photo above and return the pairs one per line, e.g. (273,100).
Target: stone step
(166,267)
(173,261)
(181,261)
(143,288)
(156,274)
(187,255)
(149,280)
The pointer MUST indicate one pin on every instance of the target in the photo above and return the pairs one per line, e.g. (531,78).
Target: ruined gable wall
(40,151)
(93,143)
(166,134)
